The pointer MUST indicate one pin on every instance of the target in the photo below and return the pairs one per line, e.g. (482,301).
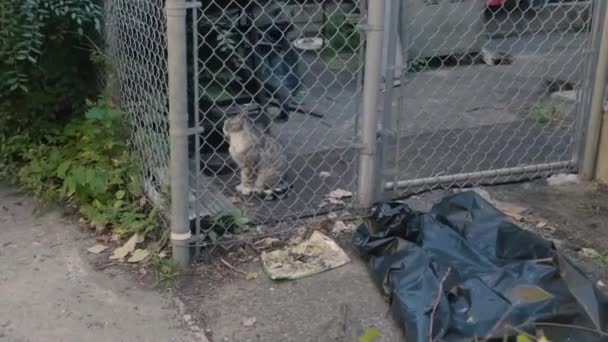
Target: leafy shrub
(87,163)
(45,67)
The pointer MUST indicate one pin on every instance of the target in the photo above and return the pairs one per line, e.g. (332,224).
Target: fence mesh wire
(489,92)
(135,34)
(474,94)
(291,71)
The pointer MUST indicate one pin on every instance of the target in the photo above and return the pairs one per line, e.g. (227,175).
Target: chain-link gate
(484,94)
(275,93)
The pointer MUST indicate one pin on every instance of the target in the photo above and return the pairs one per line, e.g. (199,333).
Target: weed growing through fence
(167,271)
(227,221)
(546,115)
(341,37)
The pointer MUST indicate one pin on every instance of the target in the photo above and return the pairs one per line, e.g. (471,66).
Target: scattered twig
(232,267)
(570,326)
(543,260)
(436,302)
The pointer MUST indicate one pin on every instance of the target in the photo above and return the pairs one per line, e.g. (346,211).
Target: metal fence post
(371,87)
(178,125)
(597,104)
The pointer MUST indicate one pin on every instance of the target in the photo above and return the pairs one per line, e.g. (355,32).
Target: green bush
(46,71)
(88,164)
(52,142)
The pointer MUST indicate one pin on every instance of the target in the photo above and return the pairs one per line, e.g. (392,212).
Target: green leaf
(63,169)
(120,194)
(212,236)
(95,113)
(134,187)
(523,338)
(369,335)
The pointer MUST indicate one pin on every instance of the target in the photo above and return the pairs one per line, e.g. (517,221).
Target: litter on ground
(317,254)
(563,179)
(336,197)
(464,271)
(123,251)
(97,249)
(138,255)
(341,227)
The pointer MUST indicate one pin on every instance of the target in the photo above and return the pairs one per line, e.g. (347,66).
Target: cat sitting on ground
(259,156)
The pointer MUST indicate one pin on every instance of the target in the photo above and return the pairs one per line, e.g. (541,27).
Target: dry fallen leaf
(249,322)
(138,255)
(97,249)
(266,243)
(126,249)
(510,208)
(514,216)
(251,276)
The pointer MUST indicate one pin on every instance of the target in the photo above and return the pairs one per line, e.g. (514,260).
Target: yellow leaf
(369,335)
(251,276)
(523,338)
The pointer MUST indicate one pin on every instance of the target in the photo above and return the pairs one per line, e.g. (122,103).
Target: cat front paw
(244,190)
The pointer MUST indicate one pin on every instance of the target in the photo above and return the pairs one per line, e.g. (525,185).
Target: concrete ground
(338,305)
(49,291)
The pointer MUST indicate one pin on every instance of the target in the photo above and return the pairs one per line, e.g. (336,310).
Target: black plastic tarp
(491,274)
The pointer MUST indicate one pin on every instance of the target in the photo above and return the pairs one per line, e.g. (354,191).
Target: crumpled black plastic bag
(496,274)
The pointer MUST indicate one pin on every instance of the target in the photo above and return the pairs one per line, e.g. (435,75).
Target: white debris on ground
(590,253)
(336,197)
(484,194)
(563,179)
(324,174)
(317,254)
(341,227)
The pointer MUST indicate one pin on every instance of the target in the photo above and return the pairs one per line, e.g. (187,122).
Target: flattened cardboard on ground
(317,254)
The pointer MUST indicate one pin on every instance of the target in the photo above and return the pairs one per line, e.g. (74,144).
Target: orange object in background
(493,3)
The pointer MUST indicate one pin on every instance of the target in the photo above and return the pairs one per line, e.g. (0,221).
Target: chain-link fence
(488,94)
(275,97)
(135,34)
(276,111)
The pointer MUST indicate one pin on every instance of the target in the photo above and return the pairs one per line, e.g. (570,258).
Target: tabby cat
(259,156)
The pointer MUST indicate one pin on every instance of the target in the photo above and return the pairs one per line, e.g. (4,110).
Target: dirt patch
(576,215)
